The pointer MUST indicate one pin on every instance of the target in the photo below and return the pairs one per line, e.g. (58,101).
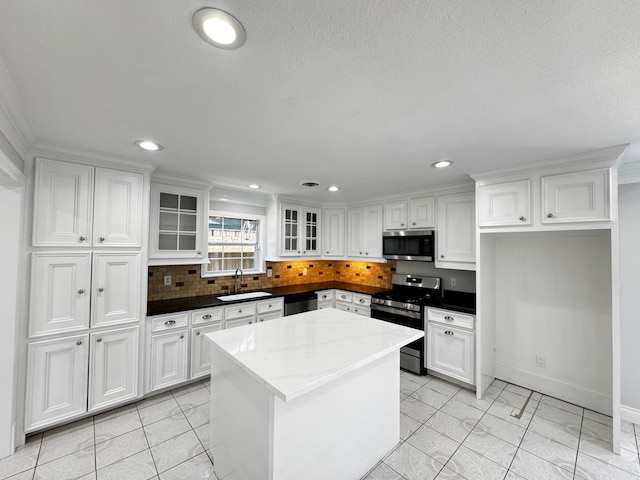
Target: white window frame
(260,247)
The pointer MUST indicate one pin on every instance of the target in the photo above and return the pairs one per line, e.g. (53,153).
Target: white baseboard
(596,401)
(630,414)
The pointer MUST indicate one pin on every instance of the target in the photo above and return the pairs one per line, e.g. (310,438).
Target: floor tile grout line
(155,466)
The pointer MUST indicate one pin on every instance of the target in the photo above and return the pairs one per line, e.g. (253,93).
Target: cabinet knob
(250,322)
(327,252)
(98,340)
(366,253)
(448,332)
(197,333)
(82,239)
(81,291)
(402,224)
(206,317)
(448,318)
(101,239)
(362,300)
(269,305)
(79,342)
(198,253)
(522,219)
(549,215)
(304,251)
(360,253)
(298,251)
(168,323)
(181,336)
(239,311)
(441,256)
(101,289)
(324,296)
(414,223)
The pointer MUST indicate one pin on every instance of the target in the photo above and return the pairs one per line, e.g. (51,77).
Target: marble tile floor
(445,434)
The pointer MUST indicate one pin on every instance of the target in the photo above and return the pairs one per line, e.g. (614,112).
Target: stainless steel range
(404,305)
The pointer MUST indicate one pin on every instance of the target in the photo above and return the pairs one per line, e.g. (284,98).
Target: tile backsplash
(187,282)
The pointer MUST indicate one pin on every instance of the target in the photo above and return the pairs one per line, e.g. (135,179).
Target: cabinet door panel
(62,208)
(168,359)
(504,204)
(395,215)
(116,288)
(355,232)
(422,212)
(113,367)
(450,351)
(118,208)
(373,229)
(56,381)
(456,229)
(200,358)
(60,293)
(577,197)
(333,232)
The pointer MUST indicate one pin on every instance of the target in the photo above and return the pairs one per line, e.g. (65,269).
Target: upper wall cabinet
(504,204)
(333,232)
(577,197)
(413,214)
(455,238)
(364,226)
(300,234)
(177,225)
(69,196)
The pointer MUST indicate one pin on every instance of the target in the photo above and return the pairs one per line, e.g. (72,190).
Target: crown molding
(13,122)
(67,153)
(177,180)
(629,173)
(10,174)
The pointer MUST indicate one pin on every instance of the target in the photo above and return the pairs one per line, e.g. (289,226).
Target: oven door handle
(396,311)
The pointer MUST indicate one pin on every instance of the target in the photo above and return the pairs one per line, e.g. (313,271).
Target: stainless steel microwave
(409,245)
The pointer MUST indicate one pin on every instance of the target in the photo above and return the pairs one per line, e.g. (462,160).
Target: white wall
(10,254)
(629,228)
(553,298)
(465,280)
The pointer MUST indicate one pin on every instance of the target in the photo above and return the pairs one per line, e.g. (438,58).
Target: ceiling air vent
(309,184)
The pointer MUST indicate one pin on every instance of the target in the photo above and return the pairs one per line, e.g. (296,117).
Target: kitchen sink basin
(243,296)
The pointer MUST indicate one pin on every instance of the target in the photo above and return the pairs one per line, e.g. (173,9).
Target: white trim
(630,414)
(14,124)
(10,174)
(177,180)
(629,173)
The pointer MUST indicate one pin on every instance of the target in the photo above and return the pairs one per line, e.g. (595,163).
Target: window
(233,243)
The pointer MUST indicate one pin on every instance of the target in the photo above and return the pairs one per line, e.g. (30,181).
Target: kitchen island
(311,396)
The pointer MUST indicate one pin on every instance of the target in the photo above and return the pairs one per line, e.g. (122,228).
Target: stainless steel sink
(243,296)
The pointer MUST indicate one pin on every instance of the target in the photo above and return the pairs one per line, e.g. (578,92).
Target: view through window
(233,243)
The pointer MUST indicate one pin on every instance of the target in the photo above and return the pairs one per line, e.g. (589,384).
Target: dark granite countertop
(160,307)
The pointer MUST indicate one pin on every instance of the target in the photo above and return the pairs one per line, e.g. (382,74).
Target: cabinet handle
(98,340)
(362,300)
(168,323)
(324,296)
(101,289)
(414,223)
(239,311)
(206,317)
(79,342)
(366,253)
(448,318)
(360,253)
(197,333)
(448,332)
(198,253)
(441,256)
(402,224)
(81,291)
(181,336)
(101,239)
(82,239)
(549,215)
(343,296)
(522,219)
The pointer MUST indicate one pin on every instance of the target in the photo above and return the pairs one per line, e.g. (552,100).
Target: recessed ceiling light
(253,185)
(219,28)
(442,164)
(333,188)
(149,145)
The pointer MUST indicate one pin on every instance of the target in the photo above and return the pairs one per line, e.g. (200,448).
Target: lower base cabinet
(71,376)
(450,351)
(200,356)
(169,355)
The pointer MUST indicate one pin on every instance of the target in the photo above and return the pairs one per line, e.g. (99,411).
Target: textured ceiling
(363,94)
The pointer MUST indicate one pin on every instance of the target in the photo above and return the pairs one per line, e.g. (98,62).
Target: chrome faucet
(235,280)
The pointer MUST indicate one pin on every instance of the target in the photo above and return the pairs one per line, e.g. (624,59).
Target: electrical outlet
(269,272)
(541,361)
(304,271)
(167,280)
(453,282)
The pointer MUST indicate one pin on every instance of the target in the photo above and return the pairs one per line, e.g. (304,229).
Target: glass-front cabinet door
(177,222)
(300,230)
(312,230)
(290,230)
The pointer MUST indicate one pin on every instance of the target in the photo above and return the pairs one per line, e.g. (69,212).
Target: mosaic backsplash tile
(187,282)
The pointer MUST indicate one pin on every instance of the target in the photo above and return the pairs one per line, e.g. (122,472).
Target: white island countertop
(297,354)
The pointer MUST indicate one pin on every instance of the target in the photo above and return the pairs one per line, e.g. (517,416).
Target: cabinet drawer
(364,311)
(322,305)
(206,315)
(239,311)
(272,305)
(169,322)
(361,300)
(326,296)
(448,317)
(347,307)
(269,316)
(342,296)
(239,322)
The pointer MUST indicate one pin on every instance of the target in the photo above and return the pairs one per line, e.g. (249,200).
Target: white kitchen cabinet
(455,239)
(200,358)
(504,204)
(239,322)
(118,208)
(270,306)
(300,230)
(168,358)
(177,225)
(451,351)
(113,367)
(115,288)
(60,293)
(364,231)
(265,317)
(395,215)
(422,213)
(326,299)
(333,232)
(352,302)
(56,380)
(65,206)
(577,197)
